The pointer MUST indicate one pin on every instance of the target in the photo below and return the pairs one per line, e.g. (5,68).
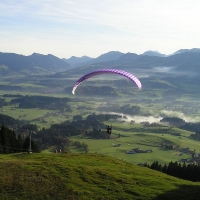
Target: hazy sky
(68,28)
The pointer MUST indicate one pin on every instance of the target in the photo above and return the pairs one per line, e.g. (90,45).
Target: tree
(77,117)
(164,170)
(19,143)
(26,144)
(8,140)
(193,153)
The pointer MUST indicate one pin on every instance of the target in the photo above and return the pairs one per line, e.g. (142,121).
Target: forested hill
(15,64)
(179,63)
(186,63)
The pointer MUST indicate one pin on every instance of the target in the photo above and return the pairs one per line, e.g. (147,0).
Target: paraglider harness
(109,129)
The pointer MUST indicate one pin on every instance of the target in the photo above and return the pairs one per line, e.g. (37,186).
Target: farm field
(144,140)
(132,134)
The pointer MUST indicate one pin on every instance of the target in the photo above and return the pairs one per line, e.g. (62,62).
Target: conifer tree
(8,140)
(26,144)
(19,143)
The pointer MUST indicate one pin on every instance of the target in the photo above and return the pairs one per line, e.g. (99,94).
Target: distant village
(194,159)
(138,150)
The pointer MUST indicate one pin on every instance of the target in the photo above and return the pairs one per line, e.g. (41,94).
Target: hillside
(86,176)
(179,66)
(82,61)
(149,63)
(14,64)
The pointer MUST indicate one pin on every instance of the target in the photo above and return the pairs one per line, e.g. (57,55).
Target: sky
(79,28)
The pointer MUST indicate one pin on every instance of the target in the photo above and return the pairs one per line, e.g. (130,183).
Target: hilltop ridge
(12,64)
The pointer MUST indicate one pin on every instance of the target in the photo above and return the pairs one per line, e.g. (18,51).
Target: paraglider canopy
(107,71)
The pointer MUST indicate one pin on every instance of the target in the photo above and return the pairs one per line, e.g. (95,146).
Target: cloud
(124,25)
(127,15)
(136,118)
(181,115)
(154,118)
(139,119)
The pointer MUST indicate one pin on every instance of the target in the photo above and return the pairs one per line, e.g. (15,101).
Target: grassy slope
(86,176)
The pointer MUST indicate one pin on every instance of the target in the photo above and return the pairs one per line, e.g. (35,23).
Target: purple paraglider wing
(107,71)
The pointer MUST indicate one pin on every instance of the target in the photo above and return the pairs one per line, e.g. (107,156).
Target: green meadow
(147,139)
(106,172)
(132,135)
(86,177)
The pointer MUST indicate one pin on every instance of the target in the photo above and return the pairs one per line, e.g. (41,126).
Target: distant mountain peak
(36,54)
(111,52)
(75,60)
(153,53)
(111,55)
(85,60)
(187,50)
(34,64)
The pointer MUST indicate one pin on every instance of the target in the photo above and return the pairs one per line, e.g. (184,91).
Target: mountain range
(183,61)
(12,64)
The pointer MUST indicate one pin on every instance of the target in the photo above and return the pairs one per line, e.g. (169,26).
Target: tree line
(126,109)
(12,143)
(81,145)
(59,134)
(10,121)
(42,102)
(102,117)
(196,135)
(189,172)
(3,102)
